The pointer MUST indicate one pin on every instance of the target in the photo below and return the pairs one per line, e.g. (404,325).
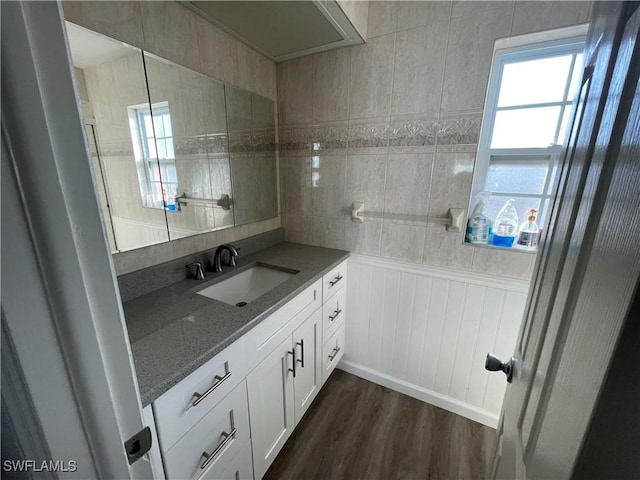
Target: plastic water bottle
(529,231)
(479,225)
(506,225)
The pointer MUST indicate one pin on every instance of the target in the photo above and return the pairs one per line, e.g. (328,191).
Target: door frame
(60,296)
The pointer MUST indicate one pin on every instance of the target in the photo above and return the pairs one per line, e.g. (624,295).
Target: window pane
(517,176)
(534,81)
(528,127)
(148,127)
(159,125)
(167,125)
(566,117)
(495,204)
(575,77)
(162,149)
(169,174)
(151,148)
(169,143)
(555,170)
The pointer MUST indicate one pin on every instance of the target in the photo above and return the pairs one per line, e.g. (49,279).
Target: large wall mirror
(175,153)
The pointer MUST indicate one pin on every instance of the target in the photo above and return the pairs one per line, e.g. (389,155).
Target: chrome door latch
(138,445)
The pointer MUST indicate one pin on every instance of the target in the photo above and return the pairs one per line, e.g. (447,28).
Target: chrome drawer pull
(210,457)
(335,280)
(301,360)
(201,396)
(335,314)
(334,354)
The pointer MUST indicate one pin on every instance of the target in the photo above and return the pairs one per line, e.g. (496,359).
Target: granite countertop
(174,330)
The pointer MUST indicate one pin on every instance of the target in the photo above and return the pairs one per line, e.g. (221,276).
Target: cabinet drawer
(186,403)
(240,468)
(270,333)
(334,280)
(334,311)
(214,441)
(332,352)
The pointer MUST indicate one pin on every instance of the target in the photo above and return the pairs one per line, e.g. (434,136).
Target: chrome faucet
(199,270)
(217,258)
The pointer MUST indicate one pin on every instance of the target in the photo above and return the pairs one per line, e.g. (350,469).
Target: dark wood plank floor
(356,430)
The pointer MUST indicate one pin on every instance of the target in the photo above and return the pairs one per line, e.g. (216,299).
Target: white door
(307,344)
(60,300)
(271,410)
(588,267)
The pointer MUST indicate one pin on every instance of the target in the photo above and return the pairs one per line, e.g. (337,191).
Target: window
(528,109)
(152,134)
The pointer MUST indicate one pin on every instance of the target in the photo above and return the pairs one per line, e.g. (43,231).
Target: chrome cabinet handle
(334,354)
(335,280)
(210,457)
(301,360)
(201,396)
(293,354)
(335,314)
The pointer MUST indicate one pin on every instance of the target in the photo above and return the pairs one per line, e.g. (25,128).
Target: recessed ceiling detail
(281,30)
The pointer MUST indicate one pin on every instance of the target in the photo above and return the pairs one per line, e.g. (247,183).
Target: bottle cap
(532,216)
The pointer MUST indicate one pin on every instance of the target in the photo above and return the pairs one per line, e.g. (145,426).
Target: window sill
(514,248)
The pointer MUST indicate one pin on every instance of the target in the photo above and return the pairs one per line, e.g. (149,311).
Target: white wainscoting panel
(425,332)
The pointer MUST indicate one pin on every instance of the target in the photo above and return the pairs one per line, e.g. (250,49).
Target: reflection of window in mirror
(152,135)
(528,109)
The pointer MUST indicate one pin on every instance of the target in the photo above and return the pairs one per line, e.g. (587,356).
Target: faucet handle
(199,270)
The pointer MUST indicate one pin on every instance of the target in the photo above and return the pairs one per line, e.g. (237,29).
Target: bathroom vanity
(223,386)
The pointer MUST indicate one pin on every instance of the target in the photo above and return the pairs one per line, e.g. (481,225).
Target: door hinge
(138,445)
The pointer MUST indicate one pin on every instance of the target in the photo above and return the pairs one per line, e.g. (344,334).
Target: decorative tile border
(406,132)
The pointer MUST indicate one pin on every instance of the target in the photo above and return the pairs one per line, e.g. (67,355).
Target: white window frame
(144,161)
(536,45)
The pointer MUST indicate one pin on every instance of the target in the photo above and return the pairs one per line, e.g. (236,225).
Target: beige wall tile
(119,20)
(419,68)
(469,52)
(328,174)
(502,262)
(170,31)
(417,14)
(407,184)
(403,242)
(537,16)
(327,232)
(446,249)
(382,18)
(371,78)
(297,228)
(295,185)
(363,238)
(210,41)
(451,183)
(331,85)
(295,100)
(357,11)
(366,176)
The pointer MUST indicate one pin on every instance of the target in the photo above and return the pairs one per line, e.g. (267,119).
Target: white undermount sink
(247,285)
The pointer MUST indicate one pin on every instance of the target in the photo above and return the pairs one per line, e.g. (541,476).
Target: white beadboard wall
(425,332)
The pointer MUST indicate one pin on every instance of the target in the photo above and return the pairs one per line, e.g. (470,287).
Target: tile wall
(394,123)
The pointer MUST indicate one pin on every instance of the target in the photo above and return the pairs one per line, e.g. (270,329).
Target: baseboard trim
(433,398)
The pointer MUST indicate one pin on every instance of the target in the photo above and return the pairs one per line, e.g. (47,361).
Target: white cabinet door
(271,410)
(307,342)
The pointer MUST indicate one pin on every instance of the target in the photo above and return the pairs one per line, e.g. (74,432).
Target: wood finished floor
(356,430)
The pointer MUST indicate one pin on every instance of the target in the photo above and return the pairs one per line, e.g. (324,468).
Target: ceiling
(281,30)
